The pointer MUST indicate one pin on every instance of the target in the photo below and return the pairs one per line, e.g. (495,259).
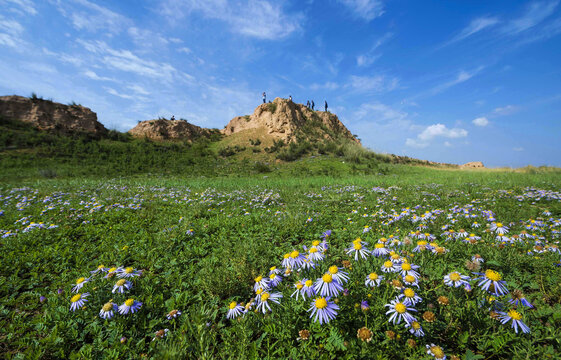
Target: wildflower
(274,270)
(373,280)
(416,328)
(429,316)
(389,266)
(421,246)
(59,291)
(100,268)
(123,340)
(303,335)
(436,351)
(499,228)
(518,297)
(112,272)
(234,310)
(299,285)
(357,248)
(516,317)
(410,280)
(129,305)
(455,279)
(295,260)
(411,343)
(399,312)
(409,269)
(341,276)
(326,234)
(78,300)
(261,283)
(327,285)
(364,334)
(274,280)
(160,334)
(323,310)
(380,250)
(364,305)
(121,285)
(173,314)
(443,300)
(314,254)
(42,299)
(398,285)
(107,311)
(129,272)
(264,298)
(409,297)
(79,284)
(491,282)
(439,250)
(472,265)
(390,334)
(346,264)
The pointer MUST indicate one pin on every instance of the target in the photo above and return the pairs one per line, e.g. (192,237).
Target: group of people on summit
(309,105)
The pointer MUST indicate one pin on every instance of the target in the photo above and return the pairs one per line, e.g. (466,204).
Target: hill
(163,129)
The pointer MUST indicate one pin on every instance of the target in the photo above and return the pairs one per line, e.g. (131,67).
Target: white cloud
(10,32)
(375,83)
(433,131)
(506,110)
(366,60)
(116,93)
(260,19)
(24,7)
(480,121)
(365,9)
(92,75)
(535,13)
(86,15)
(138,89)
(475,26)
(447,144)
(185,50)
(460,78)
(381,113)
(329,85)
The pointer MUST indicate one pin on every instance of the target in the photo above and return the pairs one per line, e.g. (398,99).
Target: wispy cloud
(506,110)
(328,85)
(86,15)
(433,131)
(535,13)
(21,7)
(258,19)
(10,33)
(377,83)
(369,57)
(92,75)
(475,26)
(480,121)
(116,93)
(365,9)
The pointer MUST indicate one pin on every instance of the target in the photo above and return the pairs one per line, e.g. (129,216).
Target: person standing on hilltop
(264,98)
(325,105)
(173,117)
(290,97)
(308,104)
(313,105)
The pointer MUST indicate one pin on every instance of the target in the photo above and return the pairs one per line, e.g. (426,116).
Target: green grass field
(200,243)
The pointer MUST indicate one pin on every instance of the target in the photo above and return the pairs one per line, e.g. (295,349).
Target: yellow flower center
(327,278)
(76,298)
(112,269)
(356,241)
(286,256)
(499,225)
(383,240)
(471,235)
(273,268)
(388,264)
(100,267)
(259,291)
(415,325)
(315,243)
(514,315)
(422,243)
(258,279)
(357,246)
(409,278)
(265,296)
(80,280)
(437,351)
(321,303)
(129,302)
(129,270)
(121,282)
(455,276)
(233,304)
(409,293)
(373,276)
(333,269)
(273,276)
(378,246)
(308,283)
(294,254)
(107,307)
(400,308)
(299,285)
(492,275)
(395,256)
(405,266)
(313,250)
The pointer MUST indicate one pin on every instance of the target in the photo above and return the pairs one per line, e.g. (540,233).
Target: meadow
(195,267)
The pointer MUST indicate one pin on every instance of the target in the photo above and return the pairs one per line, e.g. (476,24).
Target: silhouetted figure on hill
(173,117)
(290,97)
(313,105)
(308,104)
(326,106)
(264,97)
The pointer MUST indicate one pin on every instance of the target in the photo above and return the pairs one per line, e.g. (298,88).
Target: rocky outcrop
(283,119)
(473,165)
(163,129)
(48,115)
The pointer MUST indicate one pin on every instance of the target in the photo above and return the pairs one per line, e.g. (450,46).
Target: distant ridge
(164,129)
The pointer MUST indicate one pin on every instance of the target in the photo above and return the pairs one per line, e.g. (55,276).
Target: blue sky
(449,81)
